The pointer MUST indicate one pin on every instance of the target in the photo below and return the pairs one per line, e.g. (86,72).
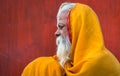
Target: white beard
(63,49)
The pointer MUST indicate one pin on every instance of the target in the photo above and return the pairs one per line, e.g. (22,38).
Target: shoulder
(103,63)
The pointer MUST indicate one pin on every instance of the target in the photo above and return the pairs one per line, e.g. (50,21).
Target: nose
(57,33)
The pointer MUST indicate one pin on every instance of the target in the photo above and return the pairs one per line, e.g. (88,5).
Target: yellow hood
(86,33)
(88,53)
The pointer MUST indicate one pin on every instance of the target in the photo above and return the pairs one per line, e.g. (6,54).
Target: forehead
(63,15)
(62,19)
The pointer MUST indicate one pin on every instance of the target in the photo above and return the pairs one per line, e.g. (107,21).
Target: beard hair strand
(63,49)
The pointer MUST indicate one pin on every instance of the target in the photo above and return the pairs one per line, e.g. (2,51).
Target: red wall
(27,30)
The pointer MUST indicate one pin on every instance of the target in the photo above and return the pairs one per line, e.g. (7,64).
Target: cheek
(64,30)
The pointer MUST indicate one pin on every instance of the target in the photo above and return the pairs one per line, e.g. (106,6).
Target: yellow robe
(89,56)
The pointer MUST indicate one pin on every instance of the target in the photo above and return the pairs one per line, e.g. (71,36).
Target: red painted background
(27,30)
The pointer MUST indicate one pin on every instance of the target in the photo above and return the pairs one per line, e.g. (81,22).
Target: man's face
(62,40)
(61,25)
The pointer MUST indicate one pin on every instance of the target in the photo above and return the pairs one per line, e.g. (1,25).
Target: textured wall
(27,30)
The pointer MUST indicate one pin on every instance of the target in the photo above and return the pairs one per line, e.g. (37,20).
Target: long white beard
(63,49)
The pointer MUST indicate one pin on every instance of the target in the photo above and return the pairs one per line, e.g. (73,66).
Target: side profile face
(61,25)
(62,40)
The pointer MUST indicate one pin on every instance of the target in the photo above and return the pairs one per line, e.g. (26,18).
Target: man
(80,47)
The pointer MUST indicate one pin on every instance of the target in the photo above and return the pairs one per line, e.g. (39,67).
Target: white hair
(65,7)
(63,43)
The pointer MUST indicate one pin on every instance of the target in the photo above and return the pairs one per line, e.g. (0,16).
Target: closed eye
(60,26)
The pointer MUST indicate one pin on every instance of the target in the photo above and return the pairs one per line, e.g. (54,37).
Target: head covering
(86,33)
(89,57)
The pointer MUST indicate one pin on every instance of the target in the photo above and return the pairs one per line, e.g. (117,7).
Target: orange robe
(89,56)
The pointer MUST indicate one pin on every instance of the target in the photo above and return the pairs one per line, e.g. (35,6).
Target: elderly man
(80,47)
